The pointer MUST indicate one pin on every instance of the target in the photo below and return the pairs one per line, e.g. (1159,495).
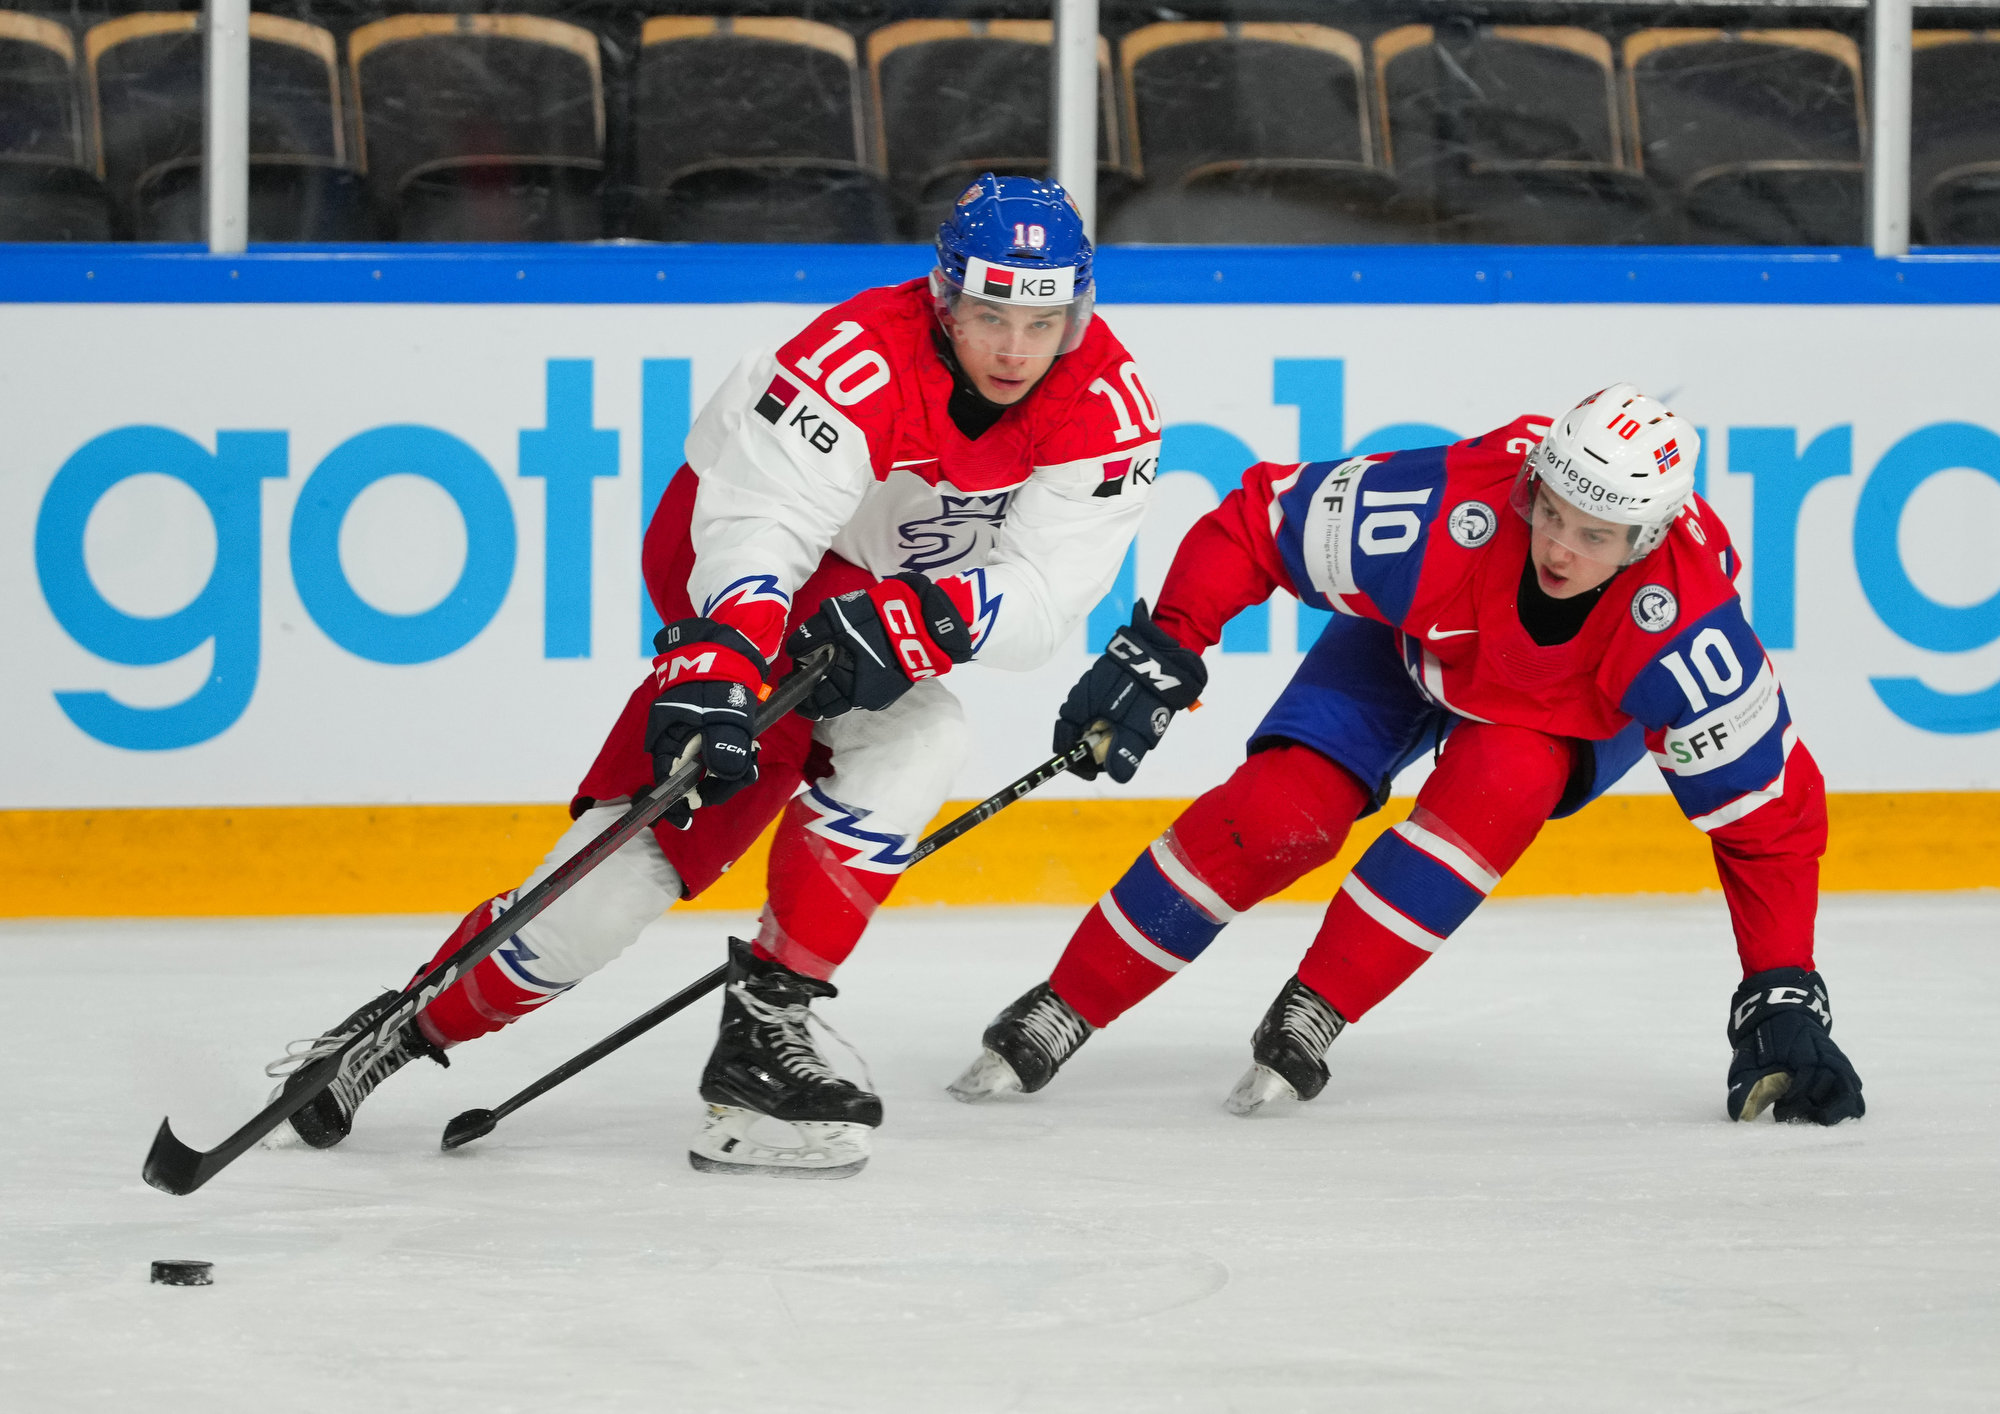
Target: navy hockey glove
(1143,678)
(898,631)
(709,676)
(1781,1024)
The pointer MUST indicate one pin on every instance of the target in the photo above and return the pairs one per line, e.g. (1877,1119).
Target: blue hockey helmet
(1016,241)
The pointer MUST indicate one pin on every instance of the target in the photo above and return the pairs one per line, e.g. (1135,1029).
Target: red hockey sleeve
(1226,563)
(1768,861)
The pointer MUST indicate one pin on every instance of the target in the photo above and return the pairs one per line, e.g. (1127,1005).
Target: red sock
(828,875)
(495,992)
(1282,814)
(1479,811)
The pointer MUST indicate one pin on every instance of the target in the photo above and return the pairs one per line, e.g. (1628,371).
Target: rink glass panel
(1219,122)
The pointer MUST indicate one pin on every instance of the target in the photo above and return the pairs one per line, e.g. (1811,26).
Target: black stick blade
(473,1124)
(171,1166)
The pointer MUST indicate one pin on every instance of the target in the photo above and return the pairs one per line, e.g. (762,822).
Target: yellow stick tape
(445,858)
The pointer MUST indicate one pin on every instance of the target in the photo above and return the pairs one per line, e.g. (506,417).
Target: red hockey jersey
(1426,542)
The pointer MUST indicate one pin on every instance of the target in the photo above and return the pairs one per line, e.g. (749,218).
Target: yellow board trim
(445,858)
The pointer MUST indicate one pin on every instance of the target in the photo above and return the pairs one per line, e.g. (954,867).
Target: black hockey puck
(183,1273)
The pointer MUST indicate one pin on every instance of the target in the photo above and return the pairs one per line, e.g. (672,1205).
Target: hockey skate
(1024,1048)
(775,1106)
(329,1117)
(1288,1050)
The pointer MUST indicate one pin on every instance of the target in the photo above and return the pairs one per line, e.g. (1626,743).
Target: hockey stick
(174,1167)
(476,1124)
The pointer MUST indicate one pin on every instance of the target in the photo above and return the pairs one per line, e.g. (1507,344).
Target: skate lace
(1054,1027)
(793,1040)
(1311,1020)
(358,1076)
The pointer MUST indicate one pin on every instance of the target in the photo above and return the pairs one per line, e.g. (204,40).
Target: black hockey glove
(1781,1024)
(1143,678)
(709,676)
(898,631)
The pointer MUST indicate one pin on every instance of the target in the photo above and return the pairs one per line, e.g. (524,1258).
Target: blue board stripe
(738,274)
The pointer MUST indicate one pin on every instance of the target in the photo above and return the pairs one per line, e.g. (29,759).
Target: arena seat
(146,82)
(751,130)
(1759,131)
(481,127)
(1249,133)
(1511,134)
(47,191)
(954,98)
(1955,137)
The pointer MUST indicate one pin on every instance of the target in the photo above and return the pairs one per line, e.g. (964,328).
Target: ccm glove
(898,631)
(1781,1024)
(709,676)
(1143,678)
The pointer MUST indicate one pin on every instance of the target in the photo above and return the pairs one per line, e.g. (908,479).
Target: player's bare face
(1573,552)
(1005,349)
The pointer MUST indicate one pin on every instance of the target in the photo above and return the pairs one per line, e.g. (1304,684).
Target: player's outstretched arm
(1142,679)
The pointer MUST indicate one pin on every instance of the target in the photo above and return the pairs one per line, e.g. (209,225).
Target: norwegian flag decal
(1669,456)
(776,399)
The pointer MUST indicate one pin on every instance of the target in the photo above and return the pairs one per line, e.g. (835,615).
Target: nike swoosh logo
(1434,634)
(920,461)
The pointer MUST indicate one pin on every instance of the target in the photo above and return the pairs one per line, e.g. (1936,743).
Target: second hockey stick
(175,1167)
(476,1124)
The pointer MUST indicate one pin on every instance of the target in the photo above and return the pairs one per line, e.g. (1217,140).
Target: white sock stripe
(1181,875)
(1450,856)
(1372,905)
(1136,940)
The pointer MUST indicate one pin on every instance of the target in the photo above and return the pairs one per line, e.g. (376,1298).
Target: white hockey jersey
(840,441)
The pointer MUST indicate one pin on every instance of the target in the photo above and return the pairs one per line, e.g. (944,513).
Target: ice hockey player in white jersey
(942,471)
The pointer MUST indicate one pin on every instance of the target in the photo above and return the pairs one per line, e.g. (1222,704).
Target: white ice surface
(1518,1193)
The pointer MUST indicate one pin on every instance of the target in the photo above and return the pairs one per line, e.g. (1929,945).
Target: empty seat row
(495,127)
(1500,133)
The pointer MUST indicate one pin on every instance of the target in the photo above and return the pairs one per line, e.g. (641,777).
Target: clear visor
(997,327)
(1551,518)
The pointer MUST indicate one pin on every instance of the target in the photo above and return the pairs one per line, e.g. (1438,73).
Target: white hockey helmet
(1619,457)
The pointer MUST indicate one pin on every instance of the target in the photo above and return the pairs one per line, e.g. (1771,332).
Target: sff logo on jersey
(818,433)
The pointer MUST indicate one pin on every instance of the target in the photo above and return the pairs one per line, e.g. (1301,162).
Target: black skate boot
(1288,1050)
(1025,1046)
(766,1074)
(329,1117)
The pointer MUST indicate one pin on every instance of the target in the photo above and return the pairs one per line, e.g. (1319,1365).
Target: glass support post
(1074,94)
(1889,126)
(225,169)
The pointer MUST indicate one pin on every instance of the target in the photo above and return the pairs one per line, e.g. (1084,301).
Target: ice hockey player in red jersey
(943,471)
(1540,608)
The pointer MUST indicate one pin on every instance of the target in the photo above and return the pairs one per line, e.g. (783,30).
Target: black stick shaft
(475,1123)
(175,1167)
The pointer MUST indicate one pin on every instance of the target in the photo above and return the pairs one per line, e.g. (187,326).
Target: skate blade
(1259,1086)
(1765,1093)
(986,1078)
(730,1143)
